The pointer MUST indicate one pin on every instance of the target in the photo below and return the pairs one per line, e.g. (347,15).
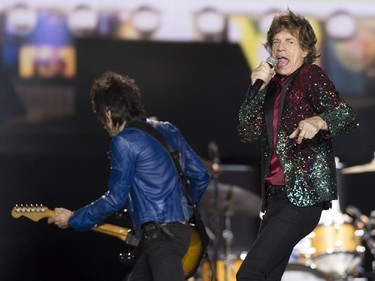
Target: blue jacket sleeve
(116,196)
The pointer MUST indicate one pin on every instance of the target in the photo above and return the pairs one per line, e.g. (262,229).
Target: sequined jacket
(144,180)
(309,168)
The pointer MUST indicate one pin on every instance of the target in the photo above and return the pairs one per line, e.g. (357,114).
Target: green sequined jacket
(309,167)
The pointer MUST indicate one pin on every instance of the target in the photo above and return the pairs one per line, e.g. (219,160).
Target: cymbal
(369,167)
(231,200)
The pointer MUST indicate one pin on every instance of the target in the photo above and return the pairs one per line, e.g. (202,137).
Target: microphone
(213,155)
(259,82)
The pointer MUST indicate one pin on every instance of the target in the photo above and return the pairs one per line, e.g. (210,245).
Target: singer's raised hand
(262,73)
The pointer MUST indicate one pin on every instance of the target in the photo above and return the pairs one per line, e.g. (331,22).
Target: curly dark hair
(119,94)
(299,27)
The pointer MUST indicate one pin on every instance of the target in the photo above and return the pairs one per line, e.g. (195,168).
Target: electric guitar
(190,261)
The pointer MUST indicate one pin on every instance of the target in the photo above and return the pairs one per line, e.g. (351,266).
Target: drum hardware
(228,236)
(226,206)
(226,268)
(364,168)
(222,201)
(225,201)
(243,203)
(303,252)
(214,168)
(301,272)
(214,215)
(366,229)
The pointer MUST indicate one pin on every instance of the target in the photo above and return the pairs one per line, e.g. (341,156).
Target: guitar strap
(144,126)
(196,218)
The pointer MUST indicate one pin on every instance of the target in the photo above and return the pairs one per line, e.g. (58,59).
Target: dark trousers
(281,228)
(162,254)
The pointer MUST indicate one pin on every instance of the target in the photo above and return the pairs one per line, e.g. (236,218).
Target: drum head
(337,249)
(300,272)
(338,264)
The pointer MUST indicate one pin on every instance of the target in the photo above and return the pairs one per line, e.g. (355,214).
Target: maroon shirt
(276,174)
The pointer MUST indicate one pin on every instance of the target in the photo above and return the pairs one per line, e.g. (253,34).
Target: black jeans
(281,228)
(162,254)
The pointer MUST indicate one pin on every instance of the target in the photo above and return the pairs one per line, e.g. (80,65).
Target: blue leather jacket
(144,180)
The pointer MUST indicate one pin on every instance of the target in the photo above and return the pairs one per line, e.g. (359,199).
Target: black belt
(274,189)
(150,226)
(150,229)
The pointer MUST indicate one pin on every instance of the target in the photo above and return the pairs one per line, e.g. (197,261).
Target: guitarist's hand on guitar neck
(61,217)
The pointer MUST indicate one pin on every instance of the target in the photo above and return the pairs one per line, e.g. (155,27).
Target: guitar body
(194,254)
(190,261)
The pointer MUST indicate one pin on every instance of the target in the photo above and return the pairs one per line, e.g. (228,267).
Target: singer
(295,111)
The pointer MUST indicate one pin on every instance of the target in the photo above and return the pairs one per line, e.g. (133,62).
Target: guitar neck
(190,260)
(38,212)
(104,228)
(112,230)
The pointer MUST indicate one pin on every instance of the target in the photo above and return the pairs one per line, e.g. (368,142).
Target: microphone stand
(228,236)
(215,181)
(213,153)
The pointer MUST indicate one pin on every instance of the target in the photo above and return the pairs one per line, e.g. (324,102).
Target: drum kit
(333,251)
(226,203)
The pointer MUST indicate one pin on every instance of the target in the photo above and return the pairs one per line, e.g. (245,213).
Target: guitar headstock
(33,212)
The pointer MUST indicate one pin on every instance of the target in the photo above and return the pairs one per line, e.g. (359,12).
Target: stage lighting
(341,26)
(20,20)
(146,20)
(211,24)
(83,21)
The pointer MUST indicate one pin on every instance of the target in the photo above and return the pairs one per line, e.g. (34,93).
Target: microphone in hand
(259,82)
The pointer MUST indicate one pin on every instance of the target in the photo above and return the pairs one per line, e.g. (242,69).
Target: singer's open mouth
(282,61)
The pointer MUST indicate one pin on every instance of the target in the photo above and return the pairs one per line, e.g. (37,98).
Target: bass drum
(300,272)
(337,249)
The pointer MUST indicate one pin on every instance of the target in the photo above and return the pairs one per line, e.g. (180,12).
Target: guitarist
(144,180)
